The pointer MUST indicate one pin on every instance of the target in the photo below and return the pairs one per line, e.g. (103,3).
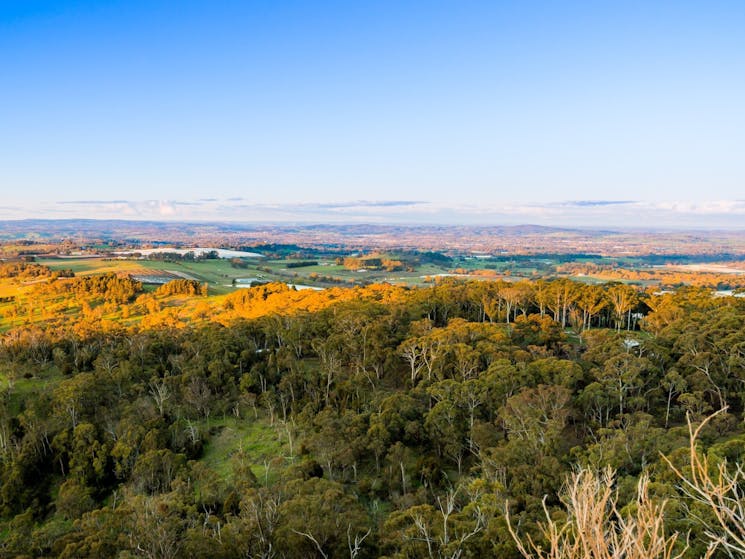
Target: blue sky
(372,111)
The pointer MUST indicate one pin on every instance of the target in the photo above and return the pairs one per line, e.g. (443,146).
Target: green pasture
(220,273)
(319,274)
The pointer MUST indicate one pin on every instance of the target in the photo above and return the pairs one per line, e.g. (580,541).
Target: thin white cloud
(573,213)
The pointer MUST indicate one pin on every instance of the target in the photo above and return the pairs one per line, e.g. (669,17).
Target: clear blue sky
(459,103)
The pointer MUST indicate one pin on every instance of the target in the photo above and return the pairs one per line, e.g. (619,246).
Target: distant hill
(449,239)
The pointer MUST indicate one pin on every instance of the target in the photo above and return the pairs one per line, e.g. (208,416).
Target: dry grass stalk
(721,492)
(595,528)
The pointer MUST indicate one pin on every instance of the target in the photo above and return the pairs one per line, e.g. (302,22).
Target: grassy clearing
(8,289)
(262,442)
(20,388)
(86,266)
(604,279)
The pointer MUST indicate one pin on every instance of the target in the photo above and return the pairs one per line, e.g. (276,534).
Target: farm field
(220,273)
(223,276)
(338,274)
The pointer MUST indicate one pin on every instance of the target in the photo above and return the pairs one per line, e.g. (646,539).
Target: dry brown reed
(595,528)
(720,489)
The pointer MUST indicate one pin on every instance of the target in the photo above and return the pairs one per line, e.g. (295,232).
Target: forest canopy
(364,422)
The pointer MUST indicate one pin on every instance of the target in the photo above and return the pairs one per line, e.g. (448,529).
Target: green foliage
(182,287)
(106,287)
(28,271)
(395,425)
